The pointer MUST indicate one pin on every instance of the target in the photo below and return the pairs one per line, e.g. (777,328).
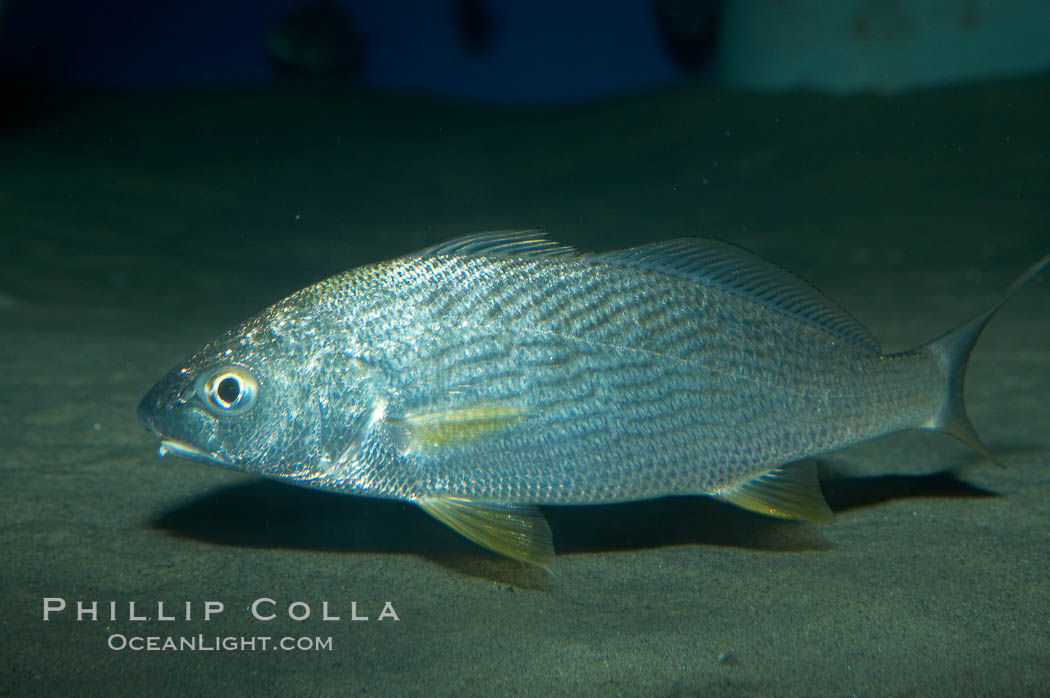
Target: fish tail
(952,353)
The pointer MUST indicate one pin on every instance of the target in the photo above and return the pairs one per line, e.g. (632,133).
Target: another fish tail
(952,353)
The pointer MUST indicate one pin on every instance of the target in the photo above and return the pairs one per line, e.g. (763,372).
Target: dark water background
(134,229)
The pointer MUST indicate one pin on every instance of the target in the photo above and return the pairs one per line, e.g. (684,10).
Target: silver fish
(495,372)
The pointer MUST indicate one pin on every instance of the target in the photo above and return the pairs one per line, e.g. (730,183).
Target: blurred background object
(318,39)
(880,45)
(487,50)
(476,25)
(513,51)
(689,30)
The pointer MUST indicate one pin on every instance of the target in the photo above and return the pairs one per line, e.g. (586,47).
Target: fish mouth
(181,448)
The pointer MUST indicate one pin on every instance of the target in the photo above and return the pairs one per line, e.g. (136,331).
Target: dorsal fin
(734,270)
(502,243)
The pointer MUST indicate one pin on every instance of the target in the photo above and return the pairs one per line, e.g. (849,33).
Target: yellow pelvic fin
(515,530)
(454,427)
(790,492)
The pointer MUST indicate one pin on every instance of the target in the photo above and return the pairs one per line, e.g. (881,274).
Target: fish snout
(161,403)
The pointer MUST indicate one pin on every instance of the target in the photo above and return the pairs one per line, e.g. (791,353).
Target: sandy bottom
(133,230)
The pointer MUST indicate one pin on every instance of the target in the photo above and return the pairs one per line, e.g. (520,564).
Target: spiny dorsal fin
(733,269)
(502,243)
(442,428)
(789,492)
(515,530)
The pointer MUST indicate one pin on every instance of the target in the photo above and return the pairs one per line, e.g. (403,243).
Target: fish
(494,373)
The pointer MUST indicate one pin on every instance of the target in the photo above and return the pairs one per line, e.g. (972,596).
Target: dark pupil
(229,390)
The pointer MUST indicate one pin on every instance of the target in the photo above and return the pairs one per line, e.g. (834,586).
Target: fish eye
(230,390)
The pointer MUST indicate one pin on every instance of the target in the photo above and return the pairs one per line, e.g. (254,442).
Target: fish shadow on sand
(267,514)
(845,493)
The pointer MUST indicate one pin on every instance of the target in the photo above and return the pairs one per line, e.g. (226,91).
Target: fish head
(273,402)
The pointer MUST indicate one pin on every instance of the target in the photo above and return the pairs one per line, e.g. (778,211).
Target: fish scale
(493,373)
(602,355)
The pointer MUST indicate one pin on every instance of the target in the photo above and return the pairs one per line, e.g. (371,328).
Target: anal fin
(515,530)
(789,492)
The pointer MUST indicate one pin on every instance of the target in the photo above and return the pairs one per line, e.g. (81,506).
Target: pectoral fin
(515,530)
(790,492)
(430,430)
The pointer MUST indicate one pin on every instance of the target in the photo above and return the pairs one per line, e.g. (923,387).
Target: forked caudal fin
(952,353)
